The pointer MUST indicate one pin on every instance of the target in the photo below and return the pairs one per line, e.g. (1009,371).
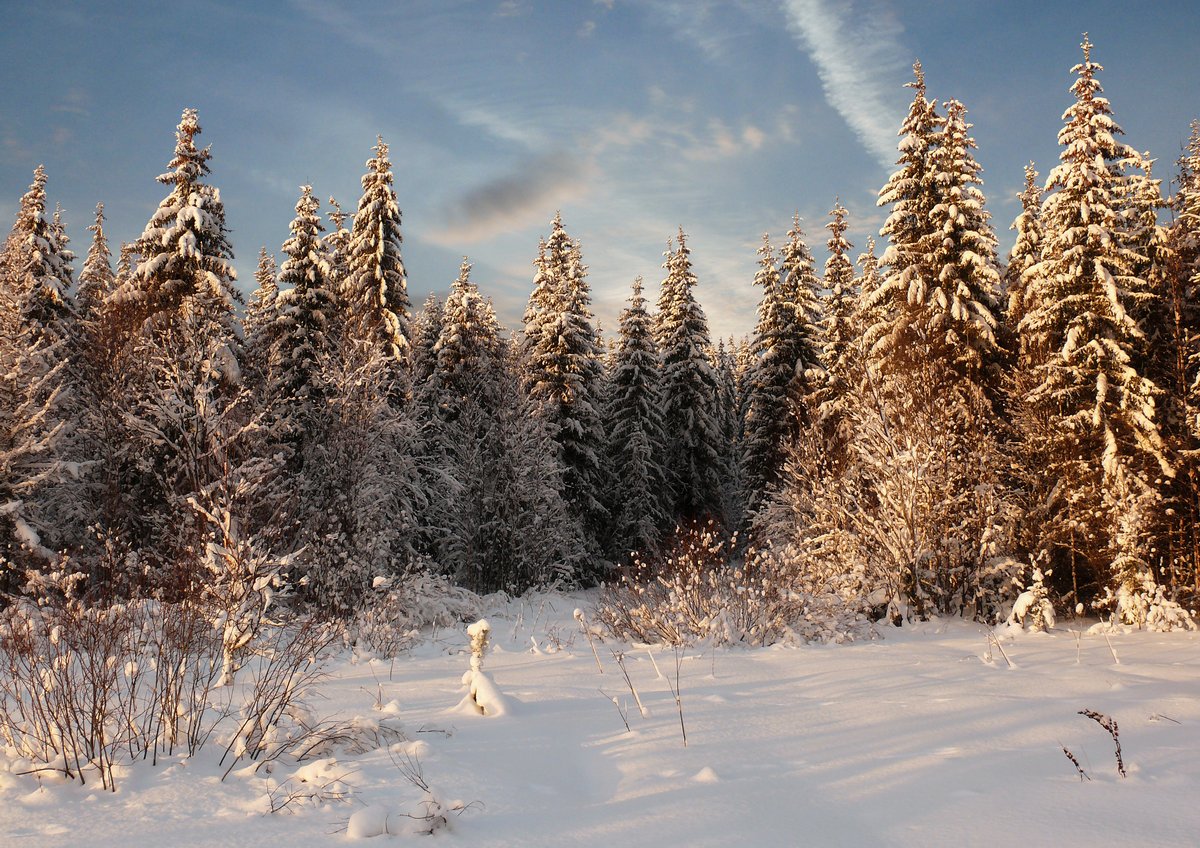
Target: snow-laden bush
(1141,602)
(87,690)
(699,593)
(401,607)
(1033,610)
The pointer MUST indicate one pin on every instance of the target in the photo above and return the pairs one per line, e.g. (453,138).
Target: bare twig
(675,692)
(992,638)
(1112,650)
(588,633)
(619,656)
(621,712)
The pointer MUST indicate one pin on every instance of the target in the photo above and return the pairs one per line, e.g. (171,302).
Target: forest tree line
(922,430)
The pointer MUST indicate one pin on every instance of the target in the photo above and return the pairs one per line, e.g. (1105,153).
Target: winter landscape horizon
(865,513)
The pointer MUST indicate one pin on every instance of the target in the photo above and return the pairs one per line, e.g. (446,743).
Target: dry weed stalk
(1110,724)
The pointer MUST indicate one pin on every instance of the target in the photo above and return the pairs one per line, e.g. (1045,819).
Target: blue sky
(632,117)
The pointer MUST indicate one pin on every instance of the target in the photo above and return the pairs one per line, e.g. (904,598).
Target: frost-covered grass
(926,737)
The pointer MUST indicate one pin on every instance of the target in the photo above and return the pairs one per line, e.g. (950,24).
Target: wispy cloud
(512,9)
(74,102)
(525,196)
(497,120)
(861,64)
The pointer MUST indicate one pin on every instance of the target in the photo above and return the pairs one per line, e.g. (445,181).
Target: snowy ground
(917,739)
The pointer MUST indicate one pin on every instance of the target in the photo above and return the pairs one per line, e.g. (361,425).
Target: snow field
(916,739)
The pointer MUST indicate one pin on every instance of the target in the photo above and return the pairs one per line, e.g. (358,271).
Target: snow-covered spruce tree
(356,499)
(639,498)
(186,422)
(259,324)
(1024,255)
(375,294)
(730,419)
(305,332)
(41,498)
(507,525)
(867,309)
(1098,420)
(184,274)
(689,392)
(785,365)
(468,351)
(337,248)
(427,329)
(799,283)
(839,341)
(42,274)
(96,279)
(431,447)
(773,391)
(562,373)
(911,192)
(941,289)
(1180,273)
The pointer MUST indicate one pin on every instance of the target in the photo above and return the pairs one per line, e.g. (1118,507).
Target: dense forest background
(918,428)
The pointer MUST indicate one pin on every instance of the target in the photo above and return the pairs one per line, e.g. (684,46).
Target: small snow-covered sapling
(480,633)
(482,695)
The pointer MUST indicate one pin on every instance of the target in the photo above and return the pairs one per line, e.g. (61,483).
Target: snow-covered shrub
(1033,610)
(700,593)
(402,606)
(425,817)
(86,690)
(273,719)
(1141,602)
(243,578)
(909,507)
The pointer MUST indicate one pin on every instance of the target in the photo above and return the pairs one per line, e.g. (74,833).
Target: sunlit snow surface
(916,739)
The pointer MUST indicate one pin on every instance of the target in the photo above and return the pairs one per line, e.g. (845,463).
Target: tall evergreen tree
(507,525)
(427,328)
(337,249)
(639,502)
(870,280)
(185,272)
(96,279)
(689,390)
(1180,272)
(40,499)
(1025,254)
(800,286)
(468,350)
(306,323)
(562,372)
(186,426)
(259,325)
(1101,435)
(376,288)
(837,329)
(911,192)
(963,300)
(772,393)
